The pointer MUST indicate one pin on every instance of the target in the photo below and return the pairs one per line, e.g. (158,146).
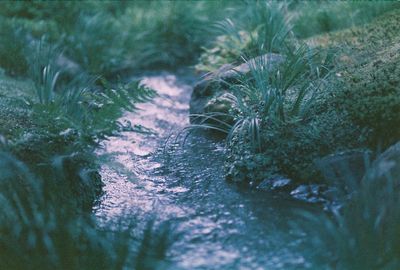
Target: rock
(309,193)
(219,106)
(387,164)
(213,84)
(276,183)
(69,68)
(345,167)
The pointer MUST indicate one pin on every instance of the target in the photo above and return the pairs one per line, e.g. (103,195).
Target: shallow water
(153,175)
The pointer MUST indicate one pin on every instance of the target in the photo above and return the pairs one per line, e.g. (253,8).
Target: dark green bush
(38,230)
(12,48)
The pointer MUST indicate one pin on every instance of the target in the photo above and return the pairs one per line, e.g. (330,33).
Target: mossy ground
(360,109)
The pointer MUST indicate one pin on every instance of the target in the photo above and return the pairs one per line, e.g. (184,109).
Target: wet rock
(387,164)
(341,168)
(213,84)
(219,106)
(309,193)
(279,183)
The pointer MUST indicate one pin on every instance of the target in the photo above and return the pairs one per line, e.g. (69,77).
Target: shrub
(38,231)
(12,48)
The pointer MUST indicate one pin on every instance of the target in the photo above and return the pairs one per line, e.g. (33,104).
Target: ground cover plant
(64,83)
(309,106)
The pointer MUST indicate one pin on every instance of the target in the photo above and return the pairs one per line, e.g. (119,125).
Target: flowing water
(153,175)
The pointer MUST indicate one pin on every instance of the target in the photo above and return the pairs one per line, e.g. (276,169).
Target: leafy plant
(44,72)
(267,95)
(38,232)
(365,233)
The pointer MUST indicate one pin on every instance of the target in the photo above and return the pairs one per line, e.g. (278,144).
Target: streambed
(153,175)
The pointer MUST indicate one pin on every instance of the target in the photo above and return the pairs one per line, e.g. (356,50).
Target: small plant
(44,72)
(269,95)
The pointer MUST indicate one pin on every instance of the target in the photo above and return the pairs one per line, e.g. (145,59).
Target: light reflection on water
(221,227)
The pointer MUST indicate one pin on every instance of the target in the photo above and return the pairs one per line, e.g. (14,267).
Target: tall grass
(80,105)
(269,95)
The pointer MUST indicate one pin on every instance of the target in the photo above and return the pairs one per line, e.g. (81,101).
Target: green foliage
(274,95)
(98,44)
(156,241)
(290,149)
(109,37)
(355,109)
(264,27)
(365,233)
(12,48)
(37,232)
(316,17)
(372,98)
(44,72)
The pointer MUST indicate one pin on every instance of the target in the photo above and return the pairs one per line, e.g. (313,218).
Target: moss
(360,109)
(371,96)
(291,149)
(36,138)
(369,89)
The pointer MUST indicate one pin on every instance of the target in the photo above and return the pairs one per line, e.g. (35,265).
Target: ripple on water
(220,227)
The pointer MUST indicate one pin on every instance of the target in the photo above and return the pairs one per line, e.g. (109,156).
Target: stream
(154,175)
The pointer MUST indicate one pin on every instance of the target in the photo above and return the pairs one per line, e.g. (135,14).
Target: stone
(276,183)
(309,193)
(387,164)
(345,167)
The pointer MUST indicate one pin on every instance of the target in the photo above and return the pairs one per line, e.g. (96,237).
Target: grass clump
(262,27)
(344,97)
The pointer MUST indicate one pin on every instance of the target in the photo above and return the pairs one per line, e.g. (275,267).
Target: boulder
(344,168)
(387,164)
(215,83)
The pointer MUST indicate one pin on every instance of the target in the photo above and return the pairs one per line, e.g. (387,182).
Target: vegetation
(363,234)
(63,86)
(324,98)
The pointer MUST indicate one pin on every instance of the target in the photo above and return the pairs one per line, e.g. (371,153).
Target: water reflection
(221,227)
